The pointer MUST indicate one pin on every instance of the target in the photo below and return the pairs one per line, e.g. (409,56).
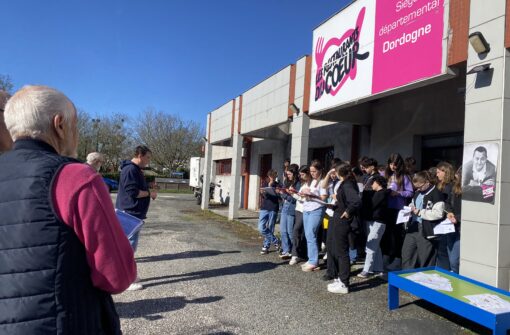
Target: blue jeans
(267,220)
(311,221)
(133,240)
(373,260)
(453,248)
(287,219)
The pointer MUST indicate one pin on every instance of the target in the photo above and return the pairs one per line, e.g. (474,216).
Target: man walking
(134,194)
(62,250)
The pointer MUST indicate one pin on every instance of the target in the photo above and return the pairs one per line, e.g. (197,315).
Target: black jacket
(380,206)
(131,182)
(270,202)
(366,197)
(348,200)
(45,284)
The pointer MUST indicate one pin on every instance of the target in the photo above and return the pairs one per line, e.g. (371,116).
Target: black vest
(45,285)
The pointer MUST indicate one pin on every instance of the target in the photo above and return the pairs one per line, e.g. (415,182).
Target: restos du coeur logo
(341,64)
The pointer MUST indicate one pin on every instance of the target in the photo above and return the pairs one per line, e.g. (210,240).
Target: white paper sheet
(404,215)
(489,302)
(444,227)
(433,281)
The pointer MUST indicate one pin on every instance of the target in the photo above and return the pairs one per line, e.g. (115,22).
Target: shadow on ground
(220,272)
(184,255)
(452,317)
(366,284)
(151,309)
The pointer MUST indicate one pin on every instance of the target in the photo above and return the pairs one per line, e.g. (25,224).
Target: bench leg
(500,329)
(393,300)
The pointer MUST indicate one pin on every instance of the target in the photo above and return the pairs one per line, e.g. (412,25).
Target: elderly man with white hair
(95,160)
(62,250)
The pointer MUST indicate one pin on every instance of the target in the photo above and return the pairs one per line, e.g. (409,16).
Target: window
(223,167)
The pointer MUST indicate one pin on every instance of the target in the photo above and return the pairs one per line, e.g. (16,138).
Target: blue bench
(454,301)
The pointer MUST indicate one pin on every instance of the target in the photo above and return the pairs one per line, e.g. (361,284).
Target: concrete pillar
(300,139)
(485,250)
(235,184)
(207,168)
(237,158)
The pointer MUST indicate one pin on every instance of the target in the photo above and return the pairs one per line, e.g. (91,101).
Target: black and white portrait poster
(479,170)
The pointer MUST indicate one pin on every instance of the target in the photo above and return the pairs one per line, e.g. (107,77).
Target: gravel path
(204,275)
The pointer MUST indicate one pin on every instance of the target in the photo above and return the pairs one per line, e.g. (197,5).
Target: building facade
(413,77)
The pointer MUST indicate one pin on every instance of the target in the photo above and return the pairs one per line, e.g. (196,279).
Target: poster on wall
(374,46)
(479,170)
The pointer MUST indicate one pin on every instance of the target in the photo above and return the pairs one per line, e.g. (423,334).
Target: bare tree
(172,140)
(6,83)
(105,134)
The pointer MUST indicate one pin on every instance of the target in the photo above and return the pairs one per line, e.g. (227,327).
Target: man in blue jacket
(134,194)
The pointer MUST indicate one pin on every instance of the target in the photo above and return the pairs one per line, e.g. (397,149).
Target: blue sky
(181,57)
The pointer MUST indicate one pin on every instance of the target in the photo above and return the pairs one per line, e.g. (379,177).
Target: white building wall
(266,104)
(221,123)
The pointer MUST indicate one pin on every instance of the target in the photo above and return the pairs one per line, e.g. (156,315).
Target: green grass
(176,191)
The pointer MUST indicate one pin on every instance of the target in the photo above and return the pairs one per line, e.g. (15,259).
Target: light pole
(96,127)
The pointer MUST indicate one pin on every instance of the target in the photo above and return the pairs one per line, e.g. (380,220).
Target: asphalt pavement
(204,275)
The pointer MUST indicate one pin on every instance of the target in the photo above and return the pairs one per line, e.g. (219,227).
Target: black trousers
(393,237)
(339,264)
(298,237)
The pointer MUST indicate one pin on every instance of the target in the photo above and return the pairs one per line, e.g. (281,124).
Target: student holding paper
(402,189)
(344,217)
(376,226)
(420,248)
(268,213)
(313,212)
(299,249)
(288,213)
(454,209)
(445,175)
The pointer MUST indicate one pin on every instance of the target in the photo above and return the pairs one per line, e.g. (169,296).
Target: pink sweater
(82,201)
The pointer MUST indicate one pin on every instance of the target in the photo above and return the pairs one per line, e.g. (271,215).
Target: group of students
(351,210)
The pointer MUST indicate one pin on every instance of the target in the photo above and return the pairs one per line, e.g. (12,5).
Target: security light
(479,43)
(294,108)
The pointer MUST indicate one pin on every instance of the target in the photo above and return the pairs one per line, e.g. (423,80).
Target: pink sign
(408,42)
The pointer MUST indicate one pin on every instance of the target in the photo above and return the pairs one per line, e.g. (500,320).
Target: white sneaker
(335,281)
(338,288)
(294,260)
(307,267)
(135,287)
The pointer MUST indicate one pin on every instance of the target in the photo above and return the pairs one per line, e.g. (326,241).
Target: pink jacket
(82,201)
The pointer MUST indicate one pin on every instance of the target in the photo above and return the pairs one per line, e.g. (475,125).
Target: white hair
(95,157)
(30,111)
